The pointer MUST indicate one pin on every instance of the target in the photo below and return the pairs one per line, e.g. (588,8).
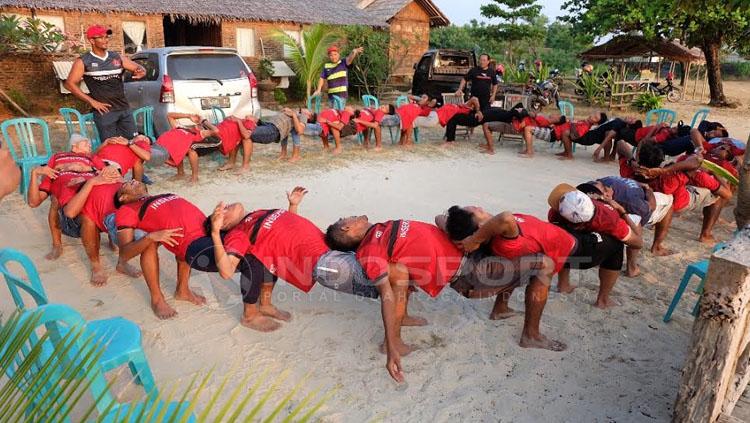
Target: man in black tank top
(102,71)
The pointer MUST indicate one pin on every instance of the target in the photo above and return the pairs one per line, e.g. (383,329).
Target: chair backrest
(453,98)
(566,109)
(23,129)
(699,116)
(93,133)
(370,101)
(314,99)
(146,116)
(68,114)
(32,285)
(218,114)
(338,102)
(401,100)
(658,116)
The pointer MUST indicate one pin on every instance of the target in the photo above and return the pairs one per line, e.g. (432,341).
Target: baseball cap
(97,31)
(554,197)
(576,207)
(332,48)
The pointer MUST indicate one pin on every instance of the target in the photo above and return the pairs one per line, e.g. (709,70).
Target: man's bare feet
(273,312)
(403,349)
(378,149)
(191,297)
(260,323)
(525,155)
(566,157)
(487,151)
(566,289)
(633,271)
(336,151)
(504,314)
(661,251)
(99,277)
(447,144)
(177,177)
(244,169)
(707,239)
(54,253)
(226,166)
(414,321)
(295,159)
(193,180)
(128,270)
(283,157)
(163,310)
(542,342)
(605,304)
(408,147)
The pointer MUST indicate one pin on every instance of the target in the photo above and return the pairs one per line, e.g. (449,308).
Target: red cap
(97,31)
(332,48)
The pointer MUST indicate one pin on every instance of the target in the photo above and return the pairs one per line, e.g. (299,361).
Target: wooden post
(715,376)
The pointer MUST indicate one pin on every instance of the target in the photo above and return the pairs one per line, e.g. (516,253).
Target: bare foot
(566,157)
(260,323)
(295,159)
(566,289)
(562,153)
(193,180)
(403,349)
(163,310)
(542,342)
(407,147)
(633,271)
(191,297)
(54,253)
(98,277)
(272,311)
(605,304)
(128,270)
(525,155)
(226,166)
(378,149)
(282,157)
(490,152)
(337,151)
(504,314)
(661,252)
(177,177)
(447,144)
(414,321)
(707,239)
(244,169)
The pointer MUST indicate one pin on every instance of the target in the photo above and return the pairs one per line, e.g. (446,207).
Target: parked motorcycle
(542,94)
(673,93)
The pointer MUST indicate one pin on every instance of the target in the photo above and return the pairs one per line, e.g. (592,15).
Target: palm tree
(309,57)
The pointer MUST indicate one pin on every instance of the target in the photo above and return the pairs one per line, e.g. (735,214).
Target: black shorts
(594,249)
(265,133)
(69,227)
(628,135)
(591,137)
(115,123)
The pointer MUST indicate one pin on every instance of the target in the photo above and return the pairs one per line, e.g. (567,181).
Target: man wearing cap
(600,229)
(335,73)
(102,70)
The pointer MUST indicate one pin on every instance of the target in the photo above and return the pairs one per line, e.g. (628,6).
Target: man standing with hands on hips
(102,71)
(335,74)
(483,82)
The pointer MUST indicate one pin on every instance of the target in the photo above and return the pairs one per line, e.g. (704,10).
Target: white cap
(576,207)
(76,138)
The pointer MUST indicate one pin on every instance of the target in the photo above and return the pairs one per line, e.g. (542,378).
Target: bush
(279,96)
(265,68)
(648,101)
(28,34)
(370,72)
(739,70)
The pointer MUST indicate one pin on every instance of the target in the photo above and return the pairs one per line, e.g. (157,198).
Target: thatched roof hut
(626,46)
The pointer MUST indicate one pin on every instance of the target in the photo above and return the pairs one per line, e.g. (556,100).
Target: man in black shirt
(483,82)
(102,71)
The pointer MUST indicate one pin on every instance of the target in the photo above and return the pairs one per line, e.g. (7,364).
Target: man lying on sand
(601,229)
(396,252)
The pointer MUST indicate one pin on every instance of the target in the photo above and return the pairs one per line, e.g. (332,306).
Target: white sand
(621,365)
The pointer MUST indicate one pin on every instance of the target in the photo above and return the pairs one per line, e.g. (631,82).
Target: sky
(462,11)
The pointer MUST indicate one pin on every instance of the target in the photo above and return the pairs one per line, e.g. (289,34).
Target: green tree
(370,72)
(562,44)
(307,59)
(517,21)
(709,25)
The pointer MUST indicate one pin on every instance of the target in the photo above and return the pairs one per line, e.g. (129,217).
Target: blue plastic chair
(144,119)
(658,116)
(57,319)
(313,103)
(370,101)
(28,154)
(568,110)
(218,115)
(83,124)
(123,337)
(699,269)
(700,115)
(400,101)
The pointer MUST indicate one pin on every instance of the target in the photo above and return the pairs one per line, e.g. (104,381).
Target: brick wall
(31,76)
(263,32)
(410,37)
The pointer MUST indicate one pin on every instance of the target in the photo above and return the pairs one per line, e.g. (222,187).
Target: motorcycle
(673,93)
(542,94)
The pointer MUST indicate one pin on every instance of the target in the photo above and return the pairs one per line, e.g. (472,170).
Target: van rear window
(205,66)
(452,64)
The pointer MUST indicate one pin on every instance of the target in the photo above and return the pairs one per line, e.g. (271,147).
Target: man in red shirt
(396,252)
(183,141)
(571,131)
(512,236)
(606,226)
(126,154)
(338,124)
(235,133)
(368,120)
(170,221)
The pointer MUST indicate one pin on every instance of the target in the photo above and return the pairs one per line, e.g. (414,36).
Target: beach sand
(621,365)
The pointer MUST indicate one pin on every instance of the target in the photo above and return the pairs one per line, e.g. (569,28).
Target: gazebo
(622,49)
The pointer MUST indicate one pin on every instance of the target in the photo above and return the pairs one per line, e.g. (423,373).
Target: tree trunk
(713,67)
(742,211)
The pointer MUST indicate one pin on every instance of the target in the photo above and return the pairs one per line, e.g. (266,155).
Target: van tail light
(253,84)
(167,90)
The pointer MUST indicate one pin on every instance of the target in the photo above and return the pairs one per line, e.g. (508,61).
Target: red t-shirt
(64,158)
(287,244)
(425,111)
(535,236)
(100,203)
(122,154)
(326,116)
(345,116)
(431,258)
(661,134)
(167,212)
(407,113)
(177,142)
(60,187)
(674,185)
(606,221)
(447,111)
(368,115)
(625,170)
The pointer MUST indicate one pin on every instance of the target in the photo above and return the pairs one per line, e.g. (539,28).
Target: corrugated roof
(343,12)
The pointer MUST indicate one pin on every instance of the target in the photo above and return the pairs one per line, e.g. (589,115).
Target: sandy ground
(622,365)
